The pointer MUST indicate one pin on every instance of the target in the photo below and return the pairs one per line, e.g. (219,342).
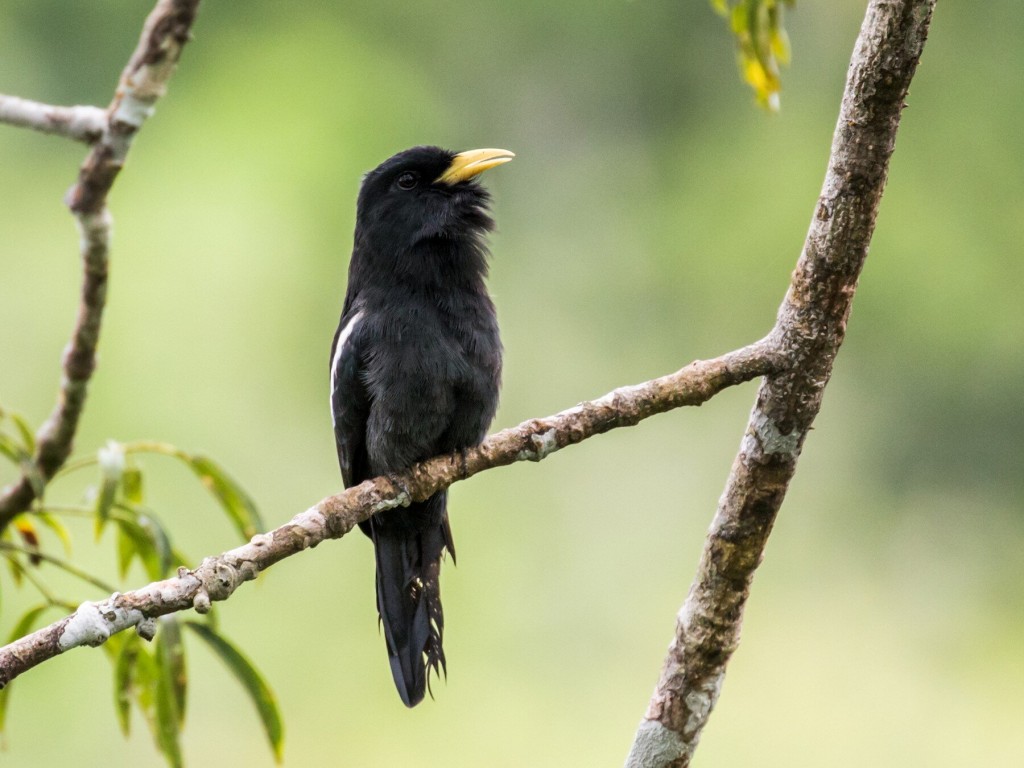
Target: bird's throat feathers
(445,245)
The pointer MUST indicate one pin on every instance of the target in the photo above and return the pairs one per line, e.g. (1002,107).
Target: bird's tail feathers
(409,599)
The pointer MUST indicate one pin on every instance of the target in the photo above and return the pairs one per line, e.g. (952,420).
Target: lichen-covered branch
(810,328)
(218,577)
(80,123)
(143,81)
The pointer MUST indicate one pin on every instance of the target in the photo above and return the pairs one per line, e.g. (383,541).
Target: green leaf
(14,563)
(131,485)
(171,650)
(26,622)
(139,535)
(10,448)
(251,680)
(240,508)
(111,459)
(28,437)
(146,674)
(161,543)
(129,542)
(124,673)
(738,20)
(57,527)
(168,719)
(21,628)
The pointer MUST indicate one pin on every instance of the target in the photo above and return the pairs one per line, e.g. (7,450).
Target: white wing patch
(343,337)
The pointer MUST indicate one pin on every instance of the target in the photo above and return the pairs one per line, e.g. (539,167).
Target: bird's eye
(407,180)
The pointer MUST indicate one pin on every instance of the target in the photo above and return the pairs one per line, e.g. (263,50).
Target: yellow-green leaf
(780,45)
(761,44)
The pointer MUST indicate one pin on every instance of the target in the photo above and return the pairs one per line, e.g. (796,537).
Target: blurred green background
(652,216)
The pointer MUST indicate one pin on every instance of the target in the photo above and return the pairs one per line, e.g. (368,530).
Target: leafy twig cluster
(155,677)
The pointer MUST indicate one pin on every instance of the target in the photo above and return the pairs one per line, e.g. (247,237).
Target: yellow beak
(466,165)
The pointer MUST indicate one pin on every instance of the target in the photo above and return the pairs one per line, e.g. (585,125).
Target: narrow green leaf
(134,540)
(26,622)
(166,708)
(11,449)
(252,681)
(131,485)
(127,548)
(124,674)
(14,564)
(173,658)
(28,437)
(111,460)
(161,542)
(55,525)
(738,20)
(146,674)
(240,508)
(21,628)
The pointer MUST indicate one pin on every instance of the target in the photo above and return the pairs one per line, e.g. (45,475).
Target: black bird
(415,371)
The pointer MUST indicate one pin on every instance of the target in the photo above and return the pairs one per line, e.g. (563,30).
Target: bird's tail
(408,544)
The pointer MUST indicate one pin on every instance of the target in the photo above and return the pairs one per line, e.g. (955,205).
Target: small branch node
(146,629)
(201,602)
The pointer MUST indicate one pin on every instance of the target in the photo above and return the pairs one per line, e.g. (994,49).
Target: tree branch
(143,81)
(810,328)
(80,123)
(218,577)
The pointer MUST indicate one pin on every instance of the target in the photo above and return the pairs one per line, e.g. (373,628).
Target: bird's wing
(350,402)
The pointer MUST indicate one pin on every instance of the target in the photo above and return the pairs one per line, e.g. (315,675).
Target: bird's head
(424,194)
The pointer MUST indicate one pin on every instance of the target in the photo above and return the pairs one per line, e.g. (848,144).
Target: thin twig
(218,577)
(81,123)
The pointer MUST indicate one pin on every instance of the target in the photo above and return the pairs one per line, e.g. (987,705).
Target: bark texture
(218,577)
(143,81)
(809,330)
